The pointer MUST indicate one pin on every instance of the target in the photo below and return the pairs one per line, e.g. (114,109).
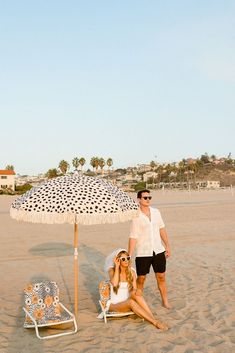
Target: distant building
(143,167)
(191,160)
(216,161)
(208,184)
(148,175)
(7,179)
(32,180)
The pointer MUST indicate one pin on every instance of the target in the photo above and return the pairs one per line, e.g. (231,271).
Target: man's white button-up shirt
(146,232)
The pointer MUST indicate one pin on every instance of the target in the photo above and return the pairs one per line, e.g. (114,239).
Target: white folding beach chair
(105,293)
(43,309)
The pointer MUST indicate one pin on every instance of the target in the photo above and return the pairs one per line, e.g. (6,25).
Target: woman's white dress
(122,294)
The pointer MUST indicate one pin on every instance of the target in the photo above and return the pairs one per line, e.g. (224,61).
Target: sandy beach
(200,277)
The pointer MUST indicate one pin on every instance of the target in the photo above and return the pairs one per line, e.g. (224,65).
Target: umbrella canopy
(74,199)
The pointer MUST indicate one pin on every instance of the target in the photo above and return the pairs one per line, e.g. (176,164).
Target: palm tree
(75,163)
(213,157)
(9,167)
(152,165)
(64,166)
(94,162)
(97,163)
(159,172)
(109,162)
(101,164)
(82,161)
(168,169)
(205,158)
(182,169)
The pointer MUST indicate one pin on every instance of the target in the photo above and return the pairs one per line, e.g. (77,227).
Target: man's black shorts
(144,263)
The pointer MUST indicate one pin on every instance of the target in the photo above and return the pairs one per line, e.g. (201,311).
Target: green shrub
(89,173)
(140,186)
(21,189)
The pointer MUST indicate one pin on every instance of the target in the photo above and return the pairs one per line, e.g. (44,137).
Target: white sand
(200,274)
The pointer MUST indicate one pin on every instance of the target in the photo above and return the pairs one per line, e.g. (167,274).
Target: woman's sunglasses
(125,258)
(147,197)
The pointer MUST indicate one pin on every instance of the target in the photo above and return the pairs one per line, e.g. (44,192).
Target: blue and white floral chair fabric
(43,308)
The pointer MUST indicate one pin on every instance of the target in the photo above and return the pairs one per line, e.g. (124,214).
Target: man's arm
(131,246)
(164,236)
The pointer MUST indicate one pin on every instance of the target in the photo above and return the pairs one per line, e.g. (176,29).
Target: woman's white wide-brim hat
(109,259)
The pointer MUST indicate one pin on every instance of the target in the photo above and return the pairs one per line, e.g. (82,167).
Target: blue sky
(131,80)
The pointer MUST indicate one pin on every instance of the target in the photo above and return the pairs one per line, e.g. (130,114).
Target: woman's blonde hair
(129,275)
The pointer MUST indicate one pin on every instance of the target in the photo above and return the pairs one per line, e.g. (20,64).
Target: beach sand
(200,277)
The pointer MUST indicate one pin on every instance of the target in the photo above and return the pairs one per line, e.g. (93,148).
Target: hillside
(225,174)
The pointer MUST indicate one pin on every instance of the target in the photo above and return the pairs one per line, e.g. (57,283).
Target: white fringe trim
(86,219)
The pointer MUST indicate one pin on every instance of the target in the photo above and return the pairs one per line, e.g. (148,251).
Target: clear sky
(132,80)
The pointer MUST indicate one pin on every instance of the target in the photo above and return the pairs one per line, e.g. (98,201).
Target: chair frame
(106,314)
(113,314)
(50,319)
(36,326)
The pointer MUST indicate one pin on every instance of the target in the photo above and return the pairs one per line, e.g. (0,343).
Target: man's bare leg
(140,282)
(161,282)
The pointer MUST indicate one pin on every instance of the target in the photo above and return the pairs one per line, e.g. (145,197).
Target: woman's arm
(114,273)
(134,279)
(135,290)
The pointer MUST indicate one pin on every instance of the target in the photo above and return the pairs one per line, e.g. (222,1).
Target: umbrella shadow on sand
(52,249)
(56,250)
(92,270)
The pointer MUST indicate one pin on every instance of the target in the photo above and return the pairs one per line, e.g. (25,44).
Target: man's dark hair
(140,192)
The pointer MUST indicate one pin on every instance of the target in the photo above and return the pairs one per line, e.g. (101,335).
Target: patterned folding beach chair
(105,294)
(43,308)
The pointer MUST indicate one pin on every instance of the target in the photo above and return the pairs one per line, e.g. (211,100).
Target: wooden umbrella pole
(76,269)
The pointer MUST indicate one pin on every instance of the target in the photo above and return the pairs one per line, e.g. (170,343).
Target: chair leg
(55,335)
(105,318)
(103,311)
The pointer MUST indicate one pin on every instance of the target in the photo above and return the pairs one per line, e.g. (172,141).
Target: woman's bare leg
(141,301)
(131,304)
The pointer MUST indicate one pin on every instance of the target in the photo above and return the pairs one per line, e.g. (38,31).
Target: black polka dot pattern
(74,199)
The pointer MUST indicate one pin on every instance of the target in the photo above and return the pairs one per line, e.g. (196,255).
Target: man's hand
(139,292)
(164,236)
(136,292)
(168,252)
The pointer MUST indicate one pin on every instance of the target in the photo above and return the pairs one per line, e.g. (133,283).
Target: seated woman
(124,293)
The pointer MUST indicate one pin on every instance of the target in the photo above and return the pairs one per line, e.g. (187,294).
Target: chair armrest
(69,312)
(31,317)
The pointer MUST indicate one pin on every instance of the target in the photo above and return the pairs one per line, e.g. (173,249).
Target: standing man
(149,237)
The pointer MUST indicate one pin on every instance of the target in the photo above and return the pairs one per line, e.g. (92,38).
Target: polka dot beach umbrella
(74,199)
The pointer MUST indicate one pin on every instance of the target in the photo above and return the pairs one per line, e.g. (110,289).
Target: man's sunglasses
(125,258)
(147,197)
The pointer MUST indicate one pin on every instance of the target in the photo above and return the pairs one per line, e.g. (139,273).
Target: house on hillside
(149,175)
(208,184)
(7,179)
(191,161)
(143,167)
(32,180)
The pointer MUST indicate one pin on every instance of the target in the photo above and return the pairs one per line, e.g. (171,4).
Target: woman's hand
(116,261)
